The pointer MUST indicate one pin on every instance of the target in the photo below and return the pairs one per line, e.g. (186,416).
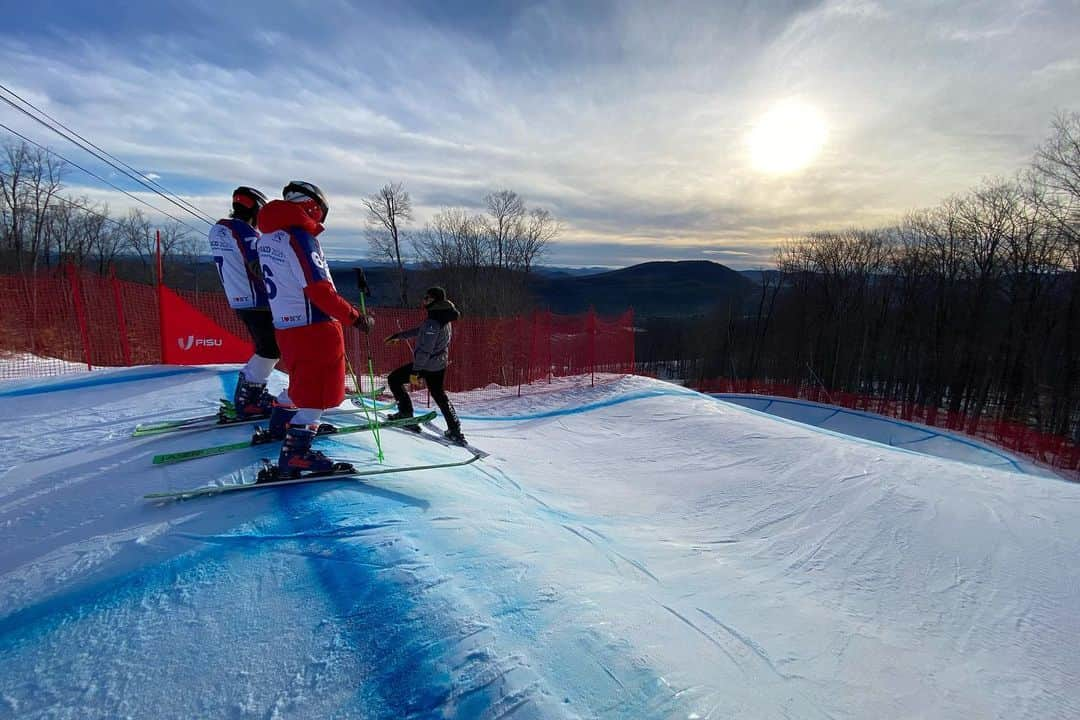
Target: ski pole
(409,344)
(365,289)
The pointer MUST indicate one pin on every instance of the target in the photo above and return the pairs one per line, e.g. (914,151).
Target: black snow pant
(398,379)
(260,325)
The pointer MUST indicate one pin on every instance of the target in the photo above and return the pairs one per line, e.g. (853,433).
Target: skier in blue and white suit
(234,245)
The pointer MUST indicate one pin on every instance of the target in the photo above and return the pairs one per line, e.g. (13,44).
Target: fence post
(532,351)
(548,359)
(160,302)
(160,264)
(125,344)
(80,312)
(592,346)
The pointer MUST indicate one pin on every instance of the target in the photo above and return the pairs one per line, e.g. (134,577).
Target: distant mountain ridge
(654,289)
(552,271)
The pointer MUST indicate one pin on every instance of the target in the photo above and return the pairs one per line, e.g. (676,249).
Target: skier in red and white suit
(308,317)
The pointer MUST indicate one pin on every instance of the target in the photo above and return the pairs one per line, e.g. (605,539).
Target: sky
(651,130)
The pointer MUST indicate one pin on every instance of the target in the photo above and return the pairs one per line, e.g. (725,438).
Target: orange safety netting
(70,320)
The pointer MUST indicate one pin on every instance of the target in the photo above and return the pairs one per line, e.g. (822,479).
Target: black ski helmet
(247,201)
(298,188)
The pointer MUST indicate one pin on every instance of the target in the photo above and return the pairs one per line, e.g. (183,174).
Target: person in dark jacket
(429,361)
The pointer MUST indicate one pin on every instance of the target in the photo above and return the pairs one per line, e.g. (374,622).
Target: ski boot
(297,459)
(400,415)
(279,421)
(453,425)
(251,400)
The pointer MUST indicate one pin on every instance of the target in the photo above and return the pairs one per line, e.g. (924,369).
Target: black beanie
(436,293)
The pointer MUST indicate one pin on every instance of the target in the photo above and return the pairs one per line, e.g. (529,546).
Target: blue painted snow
(99,381)
(375,610)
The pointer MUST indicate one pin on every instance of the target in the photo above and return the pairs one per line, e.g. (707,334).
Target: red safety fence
(1053,451)
(71,320)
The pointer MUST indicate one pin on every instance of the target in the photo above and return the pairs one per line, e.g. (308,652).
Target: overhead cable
(104,156)
(95,175)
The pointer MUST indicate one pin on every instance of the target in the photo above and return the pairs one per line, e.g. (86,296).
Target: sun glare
(787,138)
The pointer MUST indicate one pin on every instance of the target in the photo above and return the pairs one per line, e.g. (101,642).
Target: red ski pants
(314,358)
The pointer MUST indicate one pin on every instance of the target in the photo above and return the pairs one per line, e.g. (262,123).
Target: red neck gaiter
(281,214)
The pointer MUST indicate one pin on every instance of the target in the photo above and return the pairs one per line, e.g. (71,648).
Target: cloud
(1051,72)
(856,8)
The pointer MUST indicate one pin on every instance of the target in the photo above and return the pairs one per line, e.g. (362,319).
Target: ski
(426,431)
(176,457)
(219,419)
(323,477)
(225,416)
(432,433)
(365,401)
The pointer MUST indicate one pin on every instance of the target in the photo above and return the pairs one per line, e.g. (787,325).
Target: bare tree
(387,210)
(14,165)
(453,239)
(62,219)
(139,238)
(536,230)
(29,181)
(180,249)
(506,210)
(90,231)
(84,230)
(1058,159)
(45,175)
(1057,166)
(455,250)
(107,244)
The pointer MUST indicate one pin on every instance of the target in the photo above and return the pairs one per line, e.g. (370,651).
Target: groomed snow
(890,431)
(15,364)
(633,550)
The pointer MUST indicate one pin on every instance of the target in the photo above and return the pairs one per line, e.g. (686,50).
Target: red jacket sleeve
(326,298)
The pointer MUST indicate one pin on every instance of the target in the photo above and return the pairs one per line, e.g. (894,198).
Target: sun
(787,138)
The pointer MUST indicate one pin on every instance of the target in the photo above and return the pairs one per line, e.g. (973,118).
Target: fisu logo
(192,341)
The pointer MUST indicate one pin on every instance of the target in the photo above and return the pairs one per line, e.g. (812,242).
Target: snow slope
(632,550)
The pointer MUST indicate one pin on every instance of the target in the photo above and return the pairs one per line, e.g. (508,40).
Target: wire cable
(95,175)
(198,214)
(96,147)
(88,211)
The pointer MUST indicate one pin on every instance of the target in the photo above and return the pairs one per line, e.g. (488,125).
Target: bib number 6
(271,288)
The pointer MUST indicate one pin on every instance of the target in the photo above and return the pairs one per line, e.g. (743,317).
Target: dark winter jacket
(433,337)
